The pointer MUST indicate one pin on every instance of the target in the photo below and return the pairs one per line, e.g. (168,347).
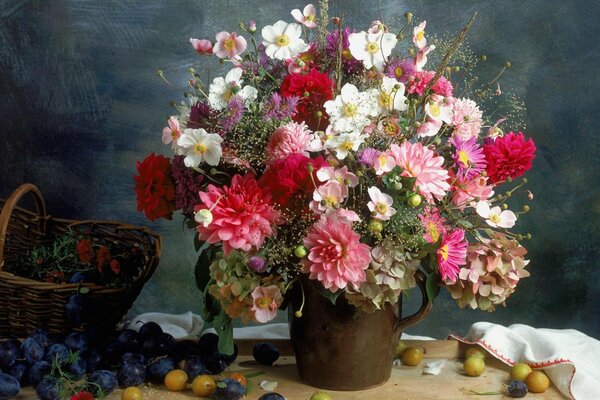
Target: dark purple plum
(271,396)
(135,357)
(128,341)
(95,361)
(38,371)
(48,389)
(57,352)
(131,374)
(149,329)
(42,337)
(193,366)
(32,351)
(158,367)
(8,354)
(77,341)
(9,387)
(19,371)
(102,380)
(77,368)
(229,389)
(265,353)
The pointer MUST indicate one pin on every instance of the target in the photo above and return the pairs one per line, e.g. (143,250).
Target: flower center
(347,146)
(398,72)
(311,18)
(350,110)
(495,218)
(433,232)
(263,302)
(381,208)
(282,40)
(175,134)
(231,90)
(330,201)
(229,44)
(382,160)
(346,54)
(385,100)
(420,35)
(463,157)
(372,47)
(200,148)
(434,110)
(443,251)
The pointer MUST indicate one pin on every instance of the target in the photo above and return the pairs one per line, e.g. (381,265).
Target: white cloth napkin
(570,358)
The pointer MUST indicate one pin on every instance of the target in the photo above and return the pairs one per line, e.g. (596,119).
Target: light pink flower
(307,17)
(383,163)
(467,190)
(327,196)
(229,45)
(292,138)
(342,214)
(466,118)
(376,27)
(438,108)
(419,35)
(429,128)
(452,254)
(202,46)
(421,57)
(341,176)
(494,131)
(265,302)
(172,132)
(380,204)
(423,164)
(336,256)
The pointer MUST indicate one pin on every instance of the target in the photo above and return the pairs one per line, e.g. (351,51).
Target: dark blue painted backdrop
(80,103)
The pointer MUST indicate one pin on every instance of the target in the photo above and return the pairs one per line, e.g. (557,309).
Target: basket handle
(10,205)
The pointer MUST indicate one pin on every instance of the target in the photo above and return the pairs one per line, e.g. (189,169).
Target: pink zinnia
(423,164)
(336,256)
(452,254)
(266,302)
(468,157)
(508,156)
(467,190)
(420,80)
(292,138)
(466,118)
(242,215)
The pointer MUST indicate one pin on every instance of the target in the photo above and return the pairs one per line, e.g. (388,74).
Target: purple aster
(368,155)
(256,263)
(468,158)
(350,65)
(401,70)
(233,113)
(279,107)
(187,185)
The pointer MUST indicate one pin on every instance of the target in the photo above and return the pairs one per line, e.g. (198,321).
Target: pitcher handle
(405,322)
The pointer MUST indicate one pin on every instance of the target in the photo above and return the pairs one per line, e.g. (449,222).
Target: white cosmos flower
(438,108)
(200,146)
(350,110)
(494,216)
(391,95)
(380,204)
(282,40)
(221,90)
(372,49)
(346,142)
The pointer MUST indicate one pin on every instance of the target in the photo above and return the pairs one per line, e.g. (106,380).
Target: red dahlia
(313,89)
(154,187)
(508,156)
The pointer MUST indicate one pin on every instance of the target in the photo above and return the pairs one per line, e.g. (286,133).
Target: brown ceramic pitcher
(340,347)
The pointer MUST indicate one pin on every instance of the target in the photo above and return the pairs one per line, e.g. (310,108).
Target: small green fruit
(320,396)
(400,348)
(412,356)
(519,372)
(474,366)
(414,200)
(300,251)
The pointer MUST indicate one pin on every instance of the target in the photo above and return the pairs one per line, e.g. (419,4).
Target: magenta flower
(266,302)
(368,155)
(336,256)
(401,70)
(278,107)
(433,223)
(202,46)
(452,254)
(229,45)
(468,157)
(233,113)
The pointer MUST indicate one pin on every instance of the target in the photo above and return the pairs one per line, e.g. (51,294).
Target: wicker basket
(28,304)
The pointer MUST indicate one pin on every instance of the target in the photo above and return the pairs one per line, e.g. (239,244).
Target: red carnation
(85,251)
(154,187)
(508,156)
(313,89)
(289,178)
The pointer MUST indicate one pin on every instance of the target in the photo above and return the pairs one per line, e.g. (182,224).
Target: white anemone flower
(200,146)
(282,40)
(221,90)
(391,96)
(380,204)
(494,216)
(350,110)
(419,35)
(346,142)
(438,108)
(372,49)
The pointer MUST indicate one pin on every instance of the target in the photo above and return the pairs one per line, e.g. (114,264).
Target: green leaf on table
(224,327)
(432,285)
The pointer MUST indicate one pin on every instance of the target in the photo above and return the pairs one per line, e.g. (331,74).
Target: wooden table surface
(407,383)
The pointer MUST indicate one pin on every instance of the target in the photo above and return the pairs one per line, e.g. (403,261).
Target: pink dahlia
(423,164)
(292,138)
(420,80)
(452,254)
(468,157)
(336,256)
(509,156)
(242,214)
(466,118)
(467,190)
(433,223)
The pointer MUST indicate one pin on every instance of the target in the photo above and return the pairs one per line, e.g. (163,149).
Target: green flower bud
(483,58)
(504,206)
(508,64)
(414,200)
(525,208)
(411,52)
(375,226)
(397,186)
(300,251)
(408,16)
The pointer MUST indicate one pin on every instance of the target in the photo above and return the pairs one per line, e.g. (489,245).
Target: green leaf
(210,306)
(328,294)
(432,285)
(408,182)
(463,223)
(84,290)
(224,327)
(202,270)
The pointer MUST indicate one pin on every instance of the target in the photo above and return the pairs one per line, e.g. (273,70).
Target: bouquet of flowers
(338,154)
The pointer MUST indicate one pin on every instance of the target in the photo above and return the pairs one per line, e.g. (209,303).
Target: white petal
(192,160)
(269,34)
(357,45)
(297,14)
(483,209)
(349,93)
(507,219)
(298,46)
(234,75)
(309,9)
(293,31)
(388,42)
(248,93)
(212,156)
(271,49)
(282,53)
